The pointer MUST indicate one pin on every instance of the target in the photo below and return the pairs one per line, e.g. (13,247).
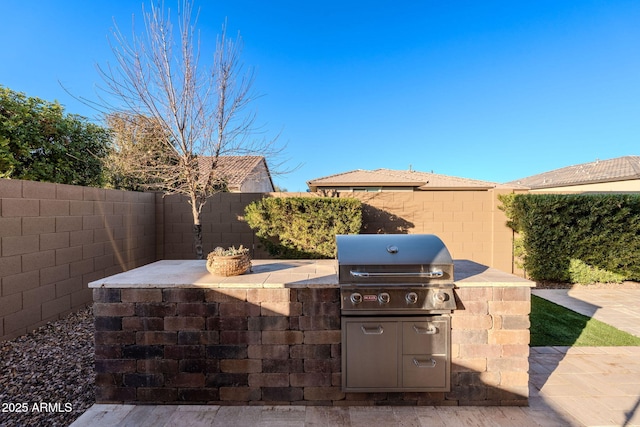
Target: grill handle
(430,274)
(431,363)
(431,330)
(378,330)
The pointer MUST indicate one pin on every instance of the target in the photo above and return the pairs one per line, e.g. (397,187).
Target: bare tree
(139,157)
(196,114)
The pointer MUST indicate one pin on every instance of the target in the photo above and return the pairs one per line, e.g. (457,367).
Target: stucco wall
(632,186)
(258,181)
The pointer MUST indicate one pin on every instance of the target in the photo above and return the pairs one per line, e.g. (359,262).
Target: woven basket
(228,265)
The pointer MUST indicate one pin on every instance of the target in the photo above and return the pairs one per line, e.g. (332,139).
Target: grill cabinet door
(371,353)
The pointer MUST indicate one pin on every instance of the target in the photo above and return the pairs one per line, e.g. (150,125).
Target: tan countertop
(471,274)
(279,274)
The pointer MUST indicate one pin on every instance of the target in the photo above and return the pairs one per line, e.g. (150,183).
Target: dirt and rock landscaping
(47,376)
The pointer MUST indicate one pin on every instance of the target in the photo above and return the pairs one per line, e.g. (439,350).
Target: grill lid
(393,258)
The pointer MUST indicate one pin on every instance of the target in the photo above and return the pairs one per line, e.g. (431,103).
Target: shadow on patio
(592,385)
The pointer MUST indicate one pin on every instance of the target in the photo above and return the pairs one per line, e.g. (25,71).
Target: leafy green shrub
(581,238)
(40,142)
(303,227)
(581,272)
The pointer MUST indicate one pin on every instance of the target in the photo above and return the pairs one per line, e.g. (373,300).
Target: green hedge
(582,238)
(303,227)
(39,141)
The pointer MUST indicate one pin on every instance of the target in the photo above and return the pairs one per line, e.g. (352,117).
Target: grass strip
(554,325)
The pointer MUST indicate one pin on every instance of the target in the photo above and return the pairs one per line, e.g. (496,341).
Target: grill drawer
(425,337)
(425,371)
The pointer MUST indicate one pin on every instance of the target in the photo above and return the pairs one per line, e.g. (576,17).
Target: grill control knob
(384,298)
(440,297)
(412,297)
(356,298)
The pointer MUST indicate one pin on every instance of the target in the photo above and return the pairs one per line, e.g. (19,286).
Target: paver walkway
(320,416)
(588,386)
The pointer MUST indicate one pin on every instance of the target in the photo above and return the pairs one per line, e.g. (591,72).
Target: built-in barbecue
(396,299)
(263,338)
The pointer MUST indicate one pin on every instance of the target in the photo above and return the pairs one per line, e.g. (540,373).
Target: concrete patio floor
(569,386)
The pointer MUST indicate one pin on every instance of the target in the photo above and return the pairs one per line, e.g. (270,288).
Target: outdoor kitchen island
(171,333)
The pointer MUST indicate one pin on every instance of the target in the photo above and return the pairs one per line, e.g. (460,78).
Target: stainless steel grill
(396,299)
(394,274)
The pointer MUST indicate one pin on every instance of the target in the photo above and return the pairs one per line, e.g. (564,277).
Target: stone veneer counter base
(170,332)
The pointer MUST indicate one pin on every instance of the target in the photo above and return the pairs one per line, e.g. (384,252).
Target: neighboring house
(621,174)
(241,174)
(380,180)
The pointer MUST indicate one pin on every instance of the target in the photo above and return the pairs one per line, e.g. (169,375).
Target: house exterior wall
(362,188)
(615,187)
(258,181)
(56,238)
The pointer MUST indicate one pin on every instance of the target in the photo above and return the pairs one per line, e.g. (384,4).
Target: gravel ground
(47,376)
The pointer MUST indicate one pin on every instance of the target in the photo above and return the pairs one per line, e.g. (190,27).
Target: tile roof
(235,170)
(618,169)
(400,178)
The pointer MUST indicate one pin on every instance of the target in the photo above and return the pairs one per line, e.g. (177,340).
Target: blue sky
(490,90)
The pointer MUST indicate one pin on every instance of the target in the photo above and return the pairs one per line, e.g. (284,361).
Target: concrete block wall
(56,238)
(469,222)
(222,225)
